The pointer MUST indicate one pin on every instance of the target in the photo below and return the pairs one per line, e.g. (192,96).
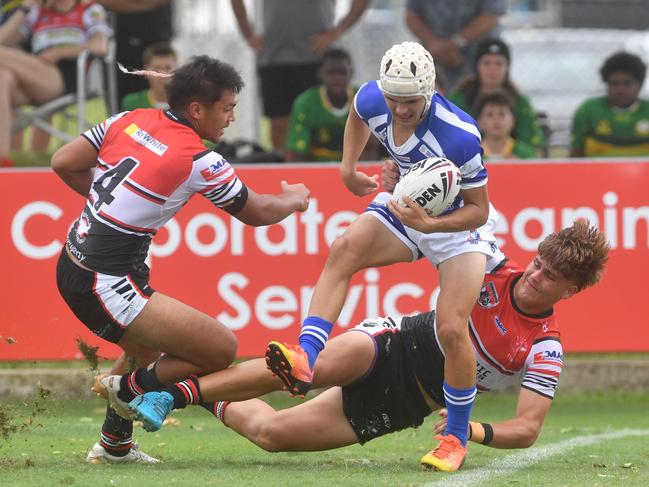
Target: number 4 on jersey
(108,181)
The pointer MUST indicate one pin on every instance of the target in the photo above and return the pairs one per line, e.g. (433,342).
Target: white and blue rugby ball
(433,183)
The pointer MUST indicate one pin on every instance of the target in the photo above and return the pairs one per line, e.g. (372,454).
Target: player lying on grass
(390,376)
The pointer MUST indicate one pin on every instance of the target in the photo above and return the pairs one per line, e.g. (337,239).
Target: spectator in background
(159,57)
(491,73)
(495,116)
(295,34)
(317,123)
(451,31)
(138,24)
(59,31)
(616,124)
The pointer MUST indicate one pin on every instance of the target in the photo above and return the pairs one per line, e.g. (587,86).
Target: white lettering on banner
(630,217)
(229,235)
(19,222)
(277,307)
(225,289)
(544,216)
(220,235)
(287,245)
(276,299)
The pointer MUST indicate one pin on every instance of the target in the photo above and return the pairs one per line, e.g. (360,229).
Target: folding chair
(100,83)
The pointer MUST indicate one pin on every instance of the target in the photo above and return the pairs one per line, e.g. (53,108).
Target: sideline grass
(200,451)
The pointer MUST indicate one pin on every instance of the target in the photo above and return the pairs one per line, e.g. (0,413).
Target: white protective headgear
(407,69)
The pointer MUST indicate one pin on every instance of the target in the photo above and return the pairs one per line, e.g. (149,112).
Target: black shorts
(388,399)
(68,69)
(105,304)
(282,83)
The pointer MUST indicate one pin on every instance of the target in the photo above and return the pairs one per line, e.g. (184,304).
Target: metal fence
(557,47)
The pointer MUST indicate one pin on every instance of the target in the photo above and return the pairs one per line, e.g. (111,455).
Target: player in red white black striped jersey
(391,374)
(137,170)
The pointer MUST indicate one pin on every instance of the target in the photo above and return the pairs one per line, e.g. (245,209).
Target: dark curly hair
(201,79)
(626,62)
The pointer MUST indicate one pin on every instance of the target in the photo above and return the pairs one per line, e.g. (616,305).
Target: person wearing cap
(616,124)
(451,31)
(412,122)
(491,74)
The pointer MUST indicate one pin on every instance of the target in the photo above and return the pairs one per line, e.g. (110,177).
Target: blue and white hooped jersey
(446,131)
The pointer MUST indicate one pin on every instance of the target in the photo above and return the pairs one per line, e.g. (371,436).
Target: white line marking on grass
(517,461)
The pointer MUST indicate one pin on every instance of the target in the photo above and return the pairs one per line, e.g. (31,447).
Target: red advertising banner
(258,281)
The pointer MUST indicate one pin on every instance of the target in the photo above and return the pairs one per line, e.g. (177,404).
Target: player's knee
(346,253)
(220,353)
(451,334)
(269,437)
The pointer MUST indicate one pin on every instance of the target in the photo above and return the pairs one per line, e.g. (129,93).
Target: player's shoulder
(447,110)
(369,100)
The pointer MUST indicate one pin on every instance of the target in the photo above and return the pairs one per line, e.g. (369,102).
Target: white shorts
(440,246)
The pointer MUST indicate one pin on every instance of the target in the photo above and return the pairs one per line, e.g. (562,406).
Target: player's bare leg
(346,359)
(460,278)
(322,417)
(366,243)
(115,444)
(193,342)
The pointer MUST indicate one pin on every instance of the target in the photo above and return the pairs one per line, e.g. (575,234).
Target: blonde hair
(578,252)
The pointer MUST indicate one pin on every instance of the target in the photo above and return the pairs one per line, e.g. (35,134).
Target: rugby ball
(433,183)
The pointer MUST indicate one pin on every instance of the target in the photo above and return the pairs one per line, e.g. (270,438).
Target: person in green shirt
(616,124)
(491,73)
(318,116)
(159,57)
(495,114)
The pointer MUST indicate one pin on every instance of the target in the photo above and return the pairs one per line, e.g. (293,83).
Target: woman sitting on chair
(59,31)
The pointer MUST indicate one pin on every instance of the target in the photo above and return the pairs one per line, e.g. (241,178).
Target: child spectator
(319,114)
(159,57)
(616,124)
(495,113)
(491,73)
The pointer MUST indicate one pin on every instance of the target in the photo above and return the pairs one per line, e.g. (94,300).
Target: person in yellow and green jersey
(319,114)
(160,57)
(495,116)
(491,70)
(616,124)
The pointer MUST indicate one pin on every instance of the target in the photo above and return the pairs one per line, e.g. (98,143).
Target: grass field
(588,440)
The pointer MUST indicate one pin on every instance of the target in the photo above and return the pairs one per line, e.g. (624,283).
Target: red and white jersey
(51,28)
(149,163)
(512,347)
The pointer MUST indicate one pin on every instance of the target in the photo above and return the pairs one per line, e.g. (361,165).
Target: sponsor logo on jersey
(488,297)
(83,228)
(500,326)
(426,151)
(213,170)
(548,356)
(145,139)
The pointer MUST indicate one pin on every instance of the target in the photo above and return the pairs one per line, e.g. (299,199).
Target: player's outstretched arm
(266,209)
(74,163)
(355,139)
(519,432)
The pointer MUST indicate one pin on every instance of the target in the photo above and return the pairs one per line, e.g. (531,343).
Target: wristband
(476,432)
(488,433)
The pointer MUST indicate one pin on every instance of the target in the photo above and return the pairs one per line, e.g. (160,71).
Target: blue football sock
(314,336)
(458,403)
